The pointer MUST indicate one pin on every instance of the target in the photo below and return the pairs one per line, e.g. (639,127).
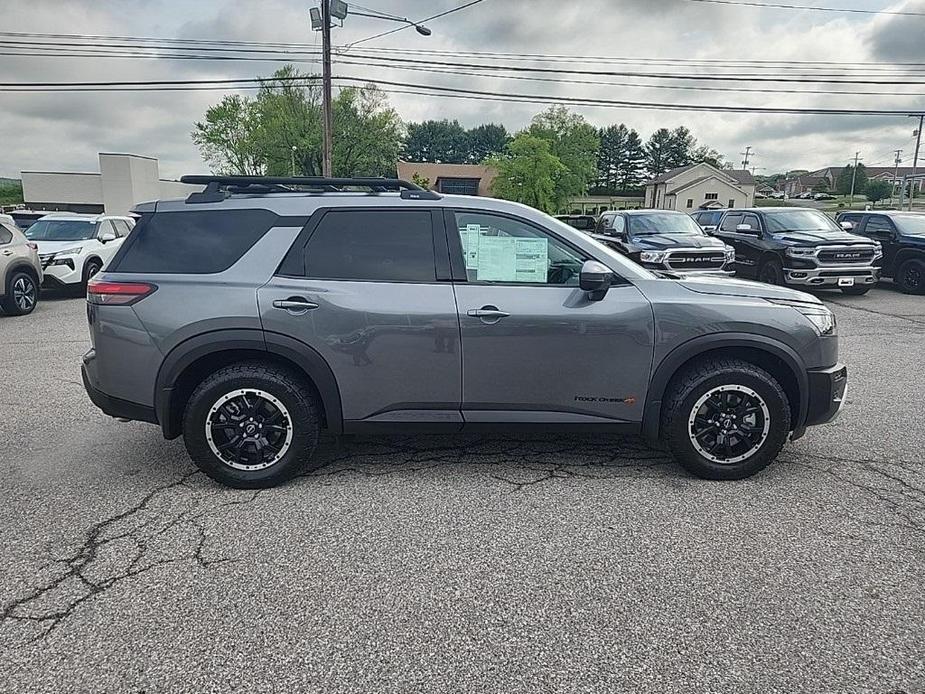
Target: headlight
(730,253)
(820,316)
(653,256)
(69,251)
(878,251)
(801,252)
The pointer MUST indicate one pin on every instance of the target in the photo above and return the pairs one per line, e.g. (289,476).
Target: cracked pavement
(468,563)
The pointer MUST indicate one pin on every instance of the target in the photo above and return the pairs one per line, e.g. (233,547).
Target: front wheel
(725,419)
(92,267)
(22,294)
(910,277)
(252,425)
(771,272)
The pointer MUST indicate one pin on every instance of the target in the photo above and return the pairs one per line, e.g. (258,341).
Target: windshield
(912,225)
(665,223)
(799,220)
(61,230)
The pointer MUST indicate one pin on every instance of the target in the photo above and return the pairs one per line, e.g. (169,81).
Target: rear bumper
(827,391)
(114,407)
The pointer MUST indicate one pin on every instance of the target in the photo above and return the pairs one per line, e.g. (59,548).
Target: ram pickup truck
(799,247)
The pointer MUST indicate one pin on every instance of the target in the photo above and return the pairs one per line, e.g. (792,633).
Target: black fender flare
(191,350)
(668,367)
(904,254)
(19,265)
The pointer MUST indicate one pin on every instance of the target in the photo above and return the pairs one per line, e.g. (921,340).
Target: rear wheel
(725,419)
(771,272)
(251,425)
(22,294)
(910,276)
(857,290)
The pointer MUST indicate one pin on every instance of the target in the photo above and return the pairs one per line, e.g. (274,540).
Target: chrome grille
(847,255)
(696,260)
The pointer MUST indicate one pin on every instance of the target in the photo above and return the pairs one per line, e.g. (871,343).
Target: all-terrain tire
(275,389)
(910,276)
(735,376)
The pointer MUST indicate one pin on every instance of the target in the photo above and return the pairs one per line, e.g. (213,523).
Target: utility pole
(915,159)
(746,154)
(898,161)
(327,115)
(854,177)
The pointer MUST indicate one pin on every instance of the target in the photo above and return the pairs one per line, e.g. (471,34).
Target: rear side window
(731,221)
(195,243)
(377,245)
(6,235)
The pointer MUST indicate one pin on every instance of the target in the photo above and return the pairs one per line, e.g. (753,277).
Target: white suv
(74,247)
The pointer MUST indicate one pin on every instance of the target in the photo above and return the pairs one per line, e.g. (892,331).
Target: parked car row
(796,247)
(59,250)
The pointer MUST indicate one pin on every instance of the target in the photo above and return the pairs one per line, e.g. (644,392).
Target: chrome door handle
(487,312)
(7,252)
(295,305)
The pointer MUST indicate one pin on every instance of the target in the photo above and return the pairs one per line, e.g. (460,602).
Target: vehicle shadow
(517,460)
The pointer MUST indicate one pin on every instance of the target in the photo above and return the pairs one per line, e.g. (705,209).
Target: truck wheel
(725,419)
(910,277)
(251,425)
(22,294)
(858,289)
(771,272)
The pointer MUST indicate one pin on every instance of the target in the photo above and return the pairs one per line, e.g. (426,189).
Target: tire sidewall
(303,418)
(776,269)
(90,265)
(778,411)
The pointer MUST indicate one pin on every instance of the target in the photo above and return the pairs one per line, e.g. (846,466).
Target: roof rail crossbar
(219,187)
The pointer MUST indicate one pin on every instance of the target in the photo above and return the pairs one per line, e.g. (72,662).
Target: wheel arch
(778,359)
(187,364)
(19,265)
(904,254)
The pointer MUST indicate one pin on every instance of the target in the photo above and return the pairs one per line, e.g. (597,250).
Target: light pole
(292,161)
(321,21)
(897,162)
(915,158)
(854,177)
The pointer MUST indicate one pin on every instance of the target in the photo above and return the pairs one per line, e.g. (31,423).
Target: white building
(123,181)
(696,185)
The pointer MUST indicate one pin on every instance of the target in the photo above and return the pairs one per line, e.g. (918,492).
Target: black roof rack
(220,187)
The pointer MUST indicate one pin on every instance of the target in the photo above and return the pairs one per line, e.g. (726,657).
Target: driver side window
(508,251)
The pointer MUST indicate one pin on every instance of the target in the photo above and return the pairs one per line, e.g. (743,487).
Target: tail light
(117,293)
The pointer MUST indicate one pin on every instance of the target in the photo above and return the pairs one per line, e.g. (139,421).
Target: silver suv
(253,316)
(20,270)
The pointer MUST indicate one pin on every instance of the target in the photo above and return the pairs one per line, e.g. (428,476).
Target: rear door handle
(487,312)
(295,305)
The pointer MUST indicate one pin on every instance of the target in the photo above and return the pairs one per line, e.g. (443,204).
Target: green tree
(878,190)
(528,172)
(485,140)
(822,186)
(419,180)
(681,147)
(619,161)
(10,192)
(659,152)
(708,155)
(440,141)
(282,123)
(227,138)
(843,183)
(575,142)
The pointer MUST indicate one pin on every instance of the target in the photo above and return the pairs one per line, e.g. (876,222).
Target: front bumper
(827,391)
(114,407)
(61,275)
(832,275)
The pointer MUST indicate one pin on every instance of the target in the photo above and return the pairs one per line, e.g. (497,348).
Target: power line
(816,8)
(420,21)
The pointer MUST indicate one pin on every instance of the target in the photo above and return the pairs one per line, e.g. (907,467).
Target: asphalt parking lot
(468,564)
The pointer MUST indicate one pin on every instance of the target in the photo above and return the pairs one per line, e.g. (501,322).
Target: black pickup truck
(799,247)
(902,236)
(664,240)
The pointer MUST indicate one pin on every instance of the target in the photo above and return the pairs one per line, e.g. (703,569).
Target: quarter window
(376,245)
(509,251)
(6,236)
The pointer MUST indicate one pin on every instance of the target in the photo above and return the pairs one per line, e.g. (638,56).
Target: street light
(321,21)
(292,161)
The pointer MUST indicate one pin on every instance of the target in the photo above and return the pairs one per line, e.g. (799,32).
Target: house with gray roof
(696,186)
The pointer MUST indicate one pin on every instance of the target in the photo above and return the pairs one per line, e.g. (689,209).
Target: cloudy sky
(64,131)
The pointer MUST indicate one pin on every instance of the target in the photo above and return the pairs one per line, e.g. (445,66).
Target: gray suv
(260,312)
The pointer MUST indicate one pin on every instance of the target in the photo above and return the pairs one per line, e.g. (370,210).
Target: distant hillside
(10,191)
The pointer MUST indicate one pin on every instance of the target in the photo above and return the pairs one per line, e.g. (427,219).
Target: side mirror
(847,226)
(595,278)
(107,236)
